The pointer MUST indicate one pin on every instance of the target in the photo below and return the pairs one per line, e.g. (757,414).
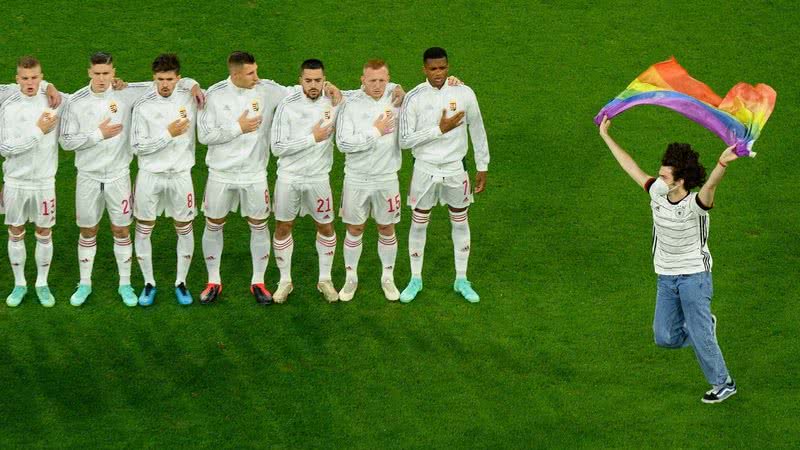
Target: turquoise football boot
(464,287)
(16,296)
(411,291)
(80,295)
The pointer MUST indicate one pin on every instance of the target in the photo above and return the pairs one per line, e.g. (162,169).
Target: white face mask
(661,188)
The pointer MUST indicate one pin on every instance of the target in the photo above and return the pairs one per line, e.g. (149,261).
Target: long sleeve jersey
(98,158)
(236,157)
(157,151)
(436,153)
(300,157)
(368,155)
(31,157)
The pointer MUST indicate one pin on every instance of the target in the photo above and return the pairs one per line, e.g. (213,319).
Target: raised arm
(623,158)
(706,194)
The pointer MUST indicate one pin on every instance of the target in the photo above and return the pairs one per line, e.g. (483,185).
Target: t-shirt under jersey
(31,157)
(156,149)
(300,157)
(680,232)
(436,153)
(236,157)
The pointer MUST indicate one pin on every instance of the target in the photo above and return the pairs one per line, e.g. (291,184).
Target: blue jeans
(683,317)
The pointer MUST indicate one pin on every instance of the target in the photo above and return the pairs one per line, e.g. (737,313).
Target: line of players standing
(239,119)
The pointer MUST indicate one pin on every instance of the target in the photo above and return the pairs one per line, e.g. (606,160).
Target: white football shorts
(171,194)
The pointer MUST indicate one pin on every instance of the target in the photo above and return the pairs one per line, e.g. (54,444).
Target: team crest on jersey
(113,107)
(680,212)
(255,105)
(452,105)
(182,112)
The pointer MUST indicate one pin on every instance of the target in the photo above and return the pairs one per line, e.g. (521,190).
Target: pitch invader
(433,124)
(302,140)
(163,139)
(365,133)
(29,144)
(7,90)
(96,127)
(236,126)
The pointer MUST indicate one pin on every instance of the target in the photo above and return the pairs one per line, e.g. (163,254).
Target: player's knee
(457,210)
(386,230)
(42,231)
(181,225)
(89,232)
(325,229)
(355,230)
(283,229)
(120,232)
(220,221)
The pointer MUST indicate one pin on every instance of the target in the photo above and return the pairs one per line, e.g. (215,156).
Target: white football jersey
(31,157)
(436,153)
(680,232)
(157,151)
(368,155)
(236,157)
(300,157)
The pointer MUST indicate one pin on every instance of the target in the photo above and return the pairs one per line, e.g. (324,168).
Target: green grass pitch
(559,353)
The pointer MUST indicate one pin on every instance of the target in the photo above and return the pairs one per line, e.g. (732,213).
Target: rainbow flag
(737,119)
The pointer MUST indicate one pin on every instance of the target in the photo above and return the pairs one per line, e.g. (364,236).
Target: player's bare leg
(44,256)
(461,247)
(326,249)
(352,253)
(283,246)
(387,252)
(87,249)
(417,235)
(259,253)
(184,252)
(212,252)
(17,255)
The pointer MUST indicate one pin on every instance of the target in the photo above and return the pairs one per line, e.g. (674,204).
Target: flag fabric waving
(737,119)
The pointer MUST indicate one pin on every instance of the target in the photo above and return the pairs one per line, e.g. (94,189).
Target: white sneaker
(328,291)
(282,292)
(390,290)
(348,291)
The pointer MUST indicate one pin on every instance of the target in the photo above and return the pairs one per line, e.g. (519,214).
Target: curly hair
(685,164)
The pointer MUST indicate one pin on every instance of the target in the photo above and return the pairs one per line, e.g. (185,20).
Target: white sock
(44,256)
(259,250)
(387,251)
(123,253)
(17,256)
(352,253)
(283,257)
(326,249)
(416,241)
(460,233)
(87,248)
(212,250)
(185,251)
(144,252)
